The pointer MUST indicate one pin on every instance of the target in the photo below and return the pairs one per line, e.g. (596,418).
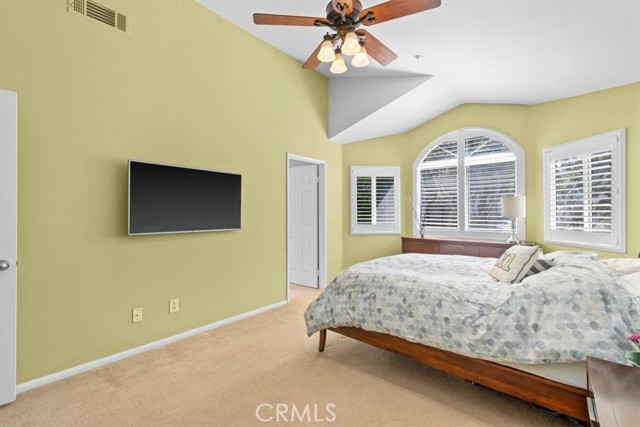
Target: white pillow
(623,266)
(514,263)
(631,282)
(553,256)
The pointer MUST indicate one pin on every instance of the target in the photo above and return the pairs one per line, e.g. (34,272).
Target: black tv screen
(171,199)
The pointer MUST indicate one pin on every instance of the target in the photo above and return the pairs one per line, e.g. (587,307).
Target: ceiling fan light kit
(338,66)
(351,44)
(326,53)
(360,59)
(344,17)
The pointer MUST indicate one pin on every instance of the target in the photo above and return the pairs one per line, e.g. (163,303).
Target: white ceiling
(478,51)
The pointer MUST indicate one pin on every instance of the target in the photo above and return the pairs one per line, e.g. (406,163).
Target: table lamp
(514,207)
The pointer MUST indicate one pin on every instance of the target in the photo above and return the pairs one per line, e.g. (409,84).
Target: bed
(528,339)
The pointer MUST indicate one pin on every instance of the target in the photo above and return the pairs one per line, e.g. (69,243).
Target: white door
(8,252)
(303,225)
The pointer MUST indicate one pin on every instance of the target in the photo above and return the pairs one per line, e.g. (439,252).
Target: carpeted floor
(265,363)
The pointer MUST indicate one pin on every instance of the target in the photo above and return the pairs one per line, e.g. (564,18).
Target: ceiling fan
(344,17)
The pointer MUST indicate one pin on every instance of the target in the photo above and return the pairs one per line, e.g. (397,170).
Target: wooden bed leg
(323,340)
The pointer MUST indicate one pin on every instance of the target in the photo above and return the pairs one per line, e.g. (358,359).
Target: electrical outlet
(174,305)
(136,314)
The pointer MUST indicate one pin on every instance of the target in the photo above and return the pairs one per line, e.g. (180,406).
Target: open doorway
(306,222)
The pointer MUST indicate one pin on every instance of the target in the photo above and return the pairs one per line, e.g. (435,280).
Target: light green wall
(389,151)
(402,151)
(511,120)
(579,117)
(533,127)
(187,88)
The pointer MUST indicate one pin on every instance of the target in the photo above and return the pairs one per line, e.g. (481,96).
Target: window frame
(461,232)
(616,140)
(374,171)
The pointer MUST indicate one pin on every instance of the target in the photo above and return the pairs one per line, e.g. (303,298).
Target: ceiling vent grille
(100,13)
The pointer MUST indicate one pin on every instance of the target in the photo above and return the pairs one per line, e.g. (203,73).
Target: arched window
(459,180)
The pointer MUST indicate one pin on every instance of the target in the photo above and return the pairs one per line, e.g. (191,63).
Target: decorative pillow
(514,263)
(623,266)
(539,266)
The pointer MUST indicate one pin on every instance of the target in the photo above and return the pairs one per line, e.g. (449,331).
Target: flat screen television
(172,199)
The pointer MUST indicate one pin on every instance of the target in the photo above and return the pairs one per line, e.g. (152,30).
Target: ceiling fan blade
(313,61)
(376,49)
(393,9)
(341,6)
(303,21)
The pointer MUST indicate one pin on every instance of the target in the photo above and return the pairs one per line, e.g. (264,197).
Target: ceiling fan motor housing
(334,14)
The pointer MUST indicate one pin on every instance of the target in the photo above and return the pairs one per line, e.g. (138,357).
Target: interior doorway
(306,221)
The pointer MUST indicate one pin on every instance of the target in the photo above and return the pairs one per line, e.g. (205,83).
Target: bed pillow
(623,266)
(514,263)
(631,282)
(539,266)
(553,256)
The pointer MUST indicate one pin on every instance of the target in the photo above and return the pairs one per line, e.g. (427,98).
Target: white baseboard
(38,382)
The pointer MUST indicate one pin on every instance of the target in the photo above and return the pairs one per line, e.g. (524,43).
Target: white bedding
(575,309)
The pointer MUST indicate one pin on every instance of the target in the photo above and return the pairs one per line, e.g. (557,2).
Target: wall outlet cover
(174,305)
(136,314)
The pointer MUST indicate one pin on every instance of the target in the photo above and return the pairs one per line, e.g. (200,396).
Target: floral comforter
(573,310)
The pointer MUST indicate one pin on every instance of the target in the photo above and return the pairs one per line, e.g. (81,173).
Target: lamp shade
(351,45)
(360,59)
(514,206)
(326,53)
(338,66)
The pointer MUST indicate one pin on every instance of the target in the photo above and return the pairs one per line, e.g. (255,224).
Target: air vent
(100,13)
(121,22)
(77,5)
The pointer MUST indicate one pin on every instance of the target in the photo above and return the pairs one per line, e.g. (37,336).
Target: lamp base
(513,239)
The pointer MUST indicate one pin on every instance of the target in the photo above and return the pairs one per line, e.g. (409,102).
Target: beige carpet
(220,378)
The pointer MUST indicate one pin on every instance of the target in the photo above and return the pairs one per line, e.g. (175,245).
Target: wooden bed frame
(559,397)
(562,398)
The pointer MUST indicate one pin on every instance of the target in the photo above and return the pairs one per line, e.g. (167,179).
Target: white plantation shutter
(439,197)
(375,196)
(364,200)
(580,197)
(490,173)
(384,198)
(584,197)
(460,195)
(438,184)
(486,184)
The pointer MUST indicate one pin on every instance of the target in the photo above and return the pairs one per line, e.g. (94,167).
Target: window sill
(619,249)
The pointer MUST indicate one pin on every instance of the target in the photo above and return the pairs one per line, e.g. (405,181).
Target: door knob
(4,265)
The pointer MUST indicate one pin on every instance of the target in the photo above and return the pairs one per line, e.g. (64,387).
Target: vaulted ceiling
(465,51)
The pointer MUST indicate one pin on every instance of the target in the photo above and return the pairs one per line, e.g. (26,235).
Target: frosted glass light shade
(361,59)
(514,207)
(326,53)
(351,45)
(338,66)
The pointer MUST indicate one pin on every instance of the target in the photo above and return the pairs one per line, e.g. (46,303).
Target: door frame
(8,242)
(322,217)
